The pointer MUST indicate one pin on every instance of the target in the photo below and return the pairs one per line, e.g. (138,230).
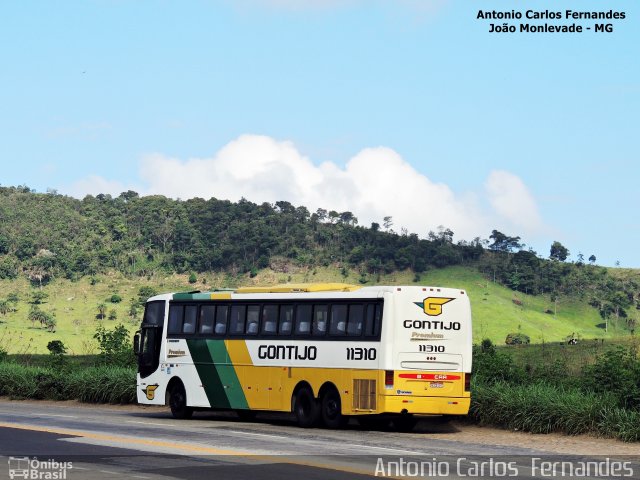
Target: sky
(406,108)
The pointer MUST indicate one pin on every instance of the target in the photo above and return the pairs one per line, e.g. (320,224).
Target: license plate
(437,385)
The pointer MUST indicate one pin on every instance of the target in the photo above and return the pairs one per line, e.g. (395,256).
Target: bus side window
(356,319)
(320,319)
(238,315)
(286,320)
(269,319)
(253,318)
(303,319)
(373,320)
(338,326)
(190,317)
(221,319)
(176,314)
(207,317)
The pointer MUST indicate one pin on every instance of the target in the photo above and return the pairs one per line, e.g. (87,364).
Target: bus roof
(301,287)
(294,288)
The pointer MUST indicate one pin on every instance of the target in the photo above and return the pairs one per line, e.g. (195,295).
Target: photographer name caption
(551,21)
(534,467)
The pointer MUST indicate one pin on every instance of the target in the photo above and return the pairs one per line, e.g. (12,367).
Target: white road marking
(152,423)
(383,448)
(56,415)
(259,434)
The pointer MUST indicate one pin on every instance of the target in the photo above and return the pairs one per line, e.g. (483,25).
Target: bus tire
(178,402)
(331,408)
(306,408)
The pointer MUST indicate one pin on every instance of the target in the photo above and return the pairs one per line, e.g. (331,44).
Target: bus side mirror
(136,343)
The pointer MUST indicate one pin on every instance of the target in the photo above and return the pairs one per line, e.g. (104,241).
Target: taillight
(388,378)
(467,382)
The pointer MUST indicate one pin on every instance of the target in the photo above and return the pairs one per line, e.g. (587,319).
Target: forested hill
(44,236)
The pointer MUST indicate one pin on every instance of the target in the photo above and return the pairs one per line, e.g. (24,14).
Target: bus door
(148,339)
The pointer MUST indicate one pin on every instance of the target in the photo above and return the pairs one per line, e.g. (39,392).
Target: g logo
(150,391)
(432,306)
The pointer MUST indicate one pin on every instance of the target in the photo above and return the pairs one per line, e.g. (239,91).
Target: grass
(98,384)
(544,408)
(494,312)
(75,307)
(572,357)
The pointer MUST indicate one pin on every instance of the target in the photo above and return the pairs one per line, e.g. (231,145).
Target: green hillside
(75,305)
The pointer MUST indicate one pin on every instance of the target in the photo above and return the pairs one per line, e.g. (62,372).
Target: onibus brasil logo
(432,306)
(32,468)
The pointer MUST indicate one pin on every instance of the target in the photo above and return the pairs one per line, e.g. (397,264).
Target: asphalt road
(95,442)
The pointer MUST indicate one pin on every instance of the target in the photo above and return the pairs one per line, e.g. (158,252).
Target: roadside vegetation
(108,377)
(566,393)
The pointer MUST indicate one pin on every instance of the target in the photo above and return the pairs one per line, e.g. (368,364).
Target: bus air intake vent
(364,394)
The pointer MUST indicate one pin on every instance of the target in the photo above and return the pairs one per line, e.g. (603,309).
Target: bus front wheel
(306,408)
(178,402)
(332,410)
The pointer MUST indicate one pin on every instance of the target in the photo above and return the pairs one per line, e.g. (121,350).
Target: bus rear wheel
(332,410)
(306,408)
(178,402)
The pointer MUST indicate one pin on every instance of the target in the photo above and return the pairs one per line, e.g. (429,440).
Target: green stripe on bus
(219,379)
(191,296)
(227,374)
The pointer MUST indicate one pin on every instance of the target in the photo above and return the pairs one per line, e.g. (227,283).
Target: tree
(503,243)
(102,311)
(38,297)
(592,259)
(115,346)
(348,218)
(35,315)
(4,245)
(558,252)
(387,222)
(321,214)
(50,322)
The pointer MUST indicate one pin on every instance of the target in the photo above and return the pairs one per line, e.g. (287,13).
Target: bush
(616,372)
(115,346)
(517,339)
(490,366)
(115,298)
(193,278)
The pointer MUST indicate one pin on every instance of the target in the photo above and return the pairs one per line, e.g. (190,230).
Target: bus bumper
(424,405)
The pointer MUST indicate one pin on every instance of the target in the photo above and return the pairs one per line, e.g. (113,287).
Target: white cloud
(375,183)
(512,200)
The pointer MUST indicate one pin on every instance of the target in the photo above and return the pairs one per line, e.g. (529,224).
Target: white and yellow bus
(325,352)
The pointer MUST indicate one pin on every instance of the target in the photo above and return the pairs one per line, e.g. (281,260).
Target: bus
(324,352)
